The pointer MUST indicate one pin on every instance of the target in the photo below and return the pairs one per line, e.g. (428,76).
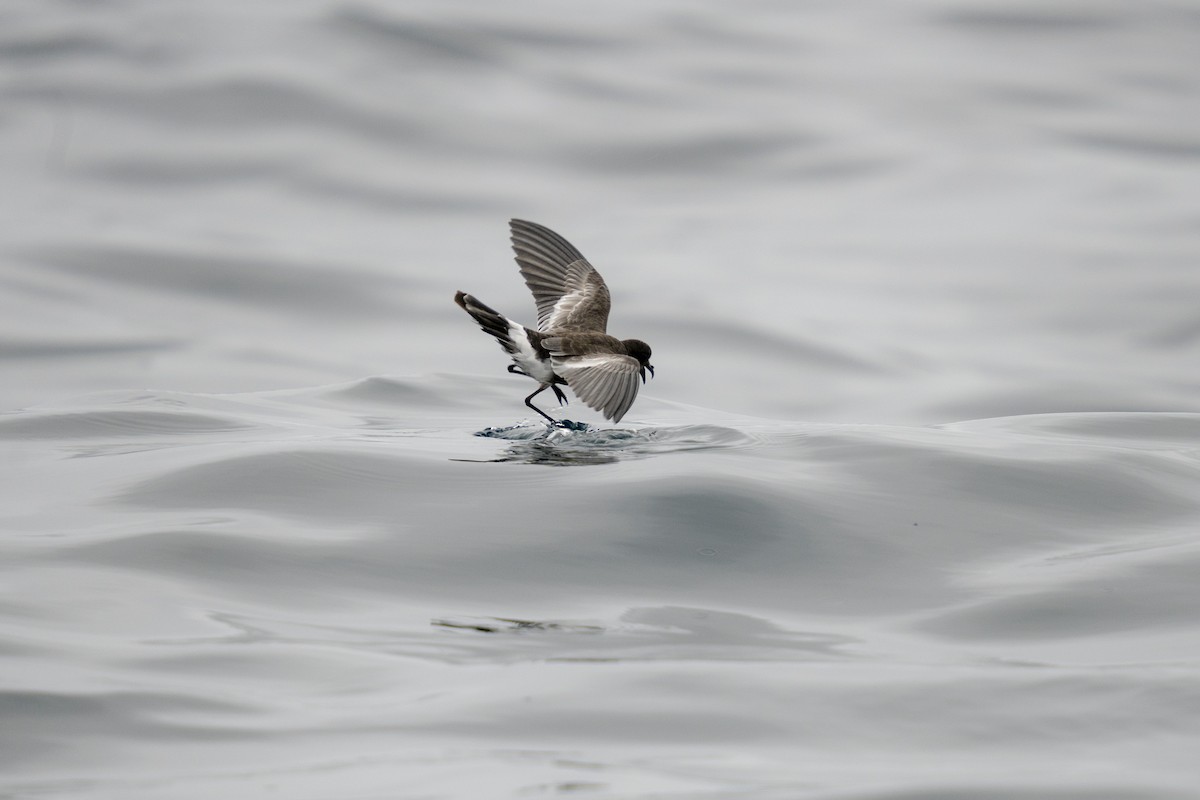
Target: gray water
(910,511)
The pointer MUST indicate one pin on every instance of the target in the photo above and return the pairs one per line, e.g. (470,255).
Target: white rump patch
(526,356)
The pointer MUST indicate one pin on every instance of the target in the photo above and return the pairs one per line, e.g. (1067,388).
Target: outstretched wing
(570,294)
(606,382)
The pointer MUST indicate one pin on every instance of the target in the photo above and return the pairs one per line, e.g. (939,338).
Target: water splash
(527,430)
(578,444)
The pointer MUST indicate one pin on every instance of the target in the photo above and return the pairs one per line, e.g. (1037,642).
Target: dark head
(641,351)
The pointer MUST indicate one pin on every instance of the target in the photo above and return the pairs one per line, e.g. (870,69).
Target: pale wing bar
(606,383)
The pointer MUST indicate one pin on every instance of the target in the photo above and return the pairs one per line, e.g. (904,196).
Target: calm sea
(911,510)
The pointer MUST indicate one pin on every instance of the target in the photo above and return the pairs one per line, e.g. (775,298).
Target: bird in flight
(570,346)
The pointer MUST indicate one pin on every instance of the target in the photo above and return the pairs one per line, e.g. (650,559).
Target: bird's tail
(491,320)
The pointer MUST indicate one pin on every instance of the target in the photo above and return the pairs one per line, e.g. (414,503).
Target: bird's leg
(562,398)
(515,370)
(528,402)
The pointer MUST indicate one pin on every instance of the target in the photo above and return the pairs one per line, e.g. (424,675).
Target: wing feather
(569,292)
(607,382)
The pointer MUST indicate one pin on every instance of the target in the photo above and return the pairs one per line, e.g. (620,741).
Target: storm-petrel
(570,346)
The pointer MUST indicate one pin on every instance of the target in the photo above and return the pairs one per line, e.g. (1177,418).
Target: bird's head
(641,351)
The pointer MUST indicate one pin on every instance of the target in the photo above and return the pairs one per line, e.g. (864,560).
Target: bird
(571,346)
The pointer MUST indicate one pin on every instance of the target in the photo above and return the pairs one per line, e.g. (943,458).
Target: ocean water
(911,510)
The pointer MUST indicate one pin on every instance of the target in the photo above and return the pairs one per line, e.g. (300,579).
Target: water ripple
(113,424)
(574,446)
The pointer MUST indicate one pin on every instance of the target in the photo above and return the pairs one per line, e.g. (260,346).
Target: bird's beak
(643,372)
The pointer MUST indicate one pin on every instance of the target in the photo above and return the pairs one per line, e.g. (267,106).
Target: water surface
(909,511)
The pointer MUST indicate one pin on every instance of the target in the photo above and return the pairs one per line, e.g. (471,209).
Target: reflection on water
(577,444)
(665,633)
(556,454)
(502,625)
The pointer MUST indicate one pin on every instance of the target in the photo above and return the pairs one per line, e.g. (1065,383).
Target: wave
(688,504)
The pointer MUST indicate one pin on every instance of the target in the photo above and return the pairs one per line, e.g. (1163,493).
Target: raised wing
(607,383)
(570,294)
